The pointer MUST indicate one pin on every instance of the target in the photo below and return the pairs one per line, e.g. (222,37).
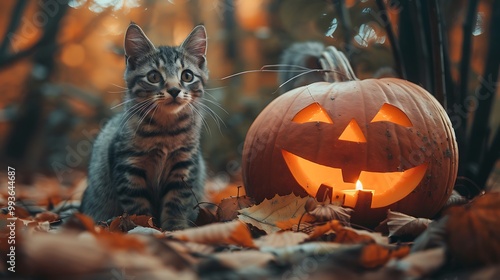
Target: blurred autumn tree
(61,64)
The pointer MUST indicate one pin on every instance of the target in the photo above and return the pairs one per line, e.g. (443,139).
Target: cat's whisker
(297,76)
(285,65)
(148,109)
(215,88)
(214,115)
(118,86)
(216,104)
(209,94)
(153,115)
(204,122)
(122,103)
(265,71)
(129,113)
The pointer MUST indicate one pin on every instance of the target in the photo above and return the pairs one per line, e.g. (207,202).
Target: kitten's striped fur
(146,159)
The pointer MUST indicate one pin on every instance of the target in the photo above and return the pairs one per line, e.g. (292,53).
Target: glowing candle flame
(359,186)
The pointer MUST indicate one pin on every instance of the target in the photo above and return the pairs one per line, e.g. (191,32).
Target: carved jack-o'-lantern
(327,139)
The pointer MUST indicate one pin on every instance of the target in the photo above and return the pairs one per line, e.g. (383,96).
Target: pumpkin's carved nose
(353,133)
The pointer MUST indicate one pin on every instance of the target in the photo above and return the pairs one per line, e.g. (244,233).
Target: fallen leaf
(294,222)
(187,247)
(434,236)
(235,233)
(80,222)
(128,222)
(66,255)
(265,215)
(349,236)
(47,217)
(122,224)
(206,215)
(43,255)
(118,240)
(297,253)
(327,212)
(474,231)
(375,255)
(375,236)
(324,228)
(228,207)
(281,239)
(399,224)
(144,230)
(304,227)
(343,234)
(244,259)
(420,264)
(217,190)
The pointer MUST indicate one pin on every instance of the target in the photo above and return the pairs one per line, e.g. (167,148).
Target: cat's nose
(173,91)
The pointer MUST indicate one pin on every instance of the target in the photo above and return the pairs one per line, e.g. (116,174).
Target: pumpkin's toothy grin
(388,187)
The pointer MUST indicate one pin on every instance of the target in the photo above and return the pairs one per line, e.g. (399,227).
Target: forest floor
(42,236)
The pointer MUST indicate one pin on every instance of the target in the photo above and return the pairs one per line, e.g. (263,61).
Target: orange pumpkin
(389,135)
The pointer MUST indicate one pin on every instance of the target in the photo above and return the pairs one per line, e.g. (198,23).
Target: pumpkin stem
(340,68)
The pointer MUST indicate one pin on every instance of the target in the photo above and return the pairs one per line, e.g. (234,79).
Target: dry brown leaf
(306,228)
(434,236)
(244,259)
(145,230)
(235,233)
(80,222)
(349,236)
(66,255)
(206,216)
(43,255)
(122,224)
(21,212)
(127,222)
(47,217)
(118,240)
(474,231)
(420,264)
(375,255)
(343,234)
(281,239)
(324,228)
(265,215)
(327,212)
(376,236)
(294,222)
(228,207)
(297,253)
(218,190)
(186,247)
(399,224)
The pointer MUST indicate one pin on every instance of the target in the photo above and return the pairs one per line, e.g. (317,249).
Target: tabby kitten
(147,160)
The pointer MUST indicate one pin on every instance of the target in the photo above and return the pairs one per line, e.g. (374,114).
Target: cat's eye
(187,76)
(154,77)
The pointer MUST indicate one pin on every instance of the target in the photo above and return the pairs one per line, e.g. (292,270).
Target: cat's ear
(136,43)
(196,44)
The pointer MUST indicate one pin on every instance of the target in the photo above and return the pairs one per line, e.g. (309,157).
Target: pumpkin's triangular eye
(390,113)
(312,113)
(353,133)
